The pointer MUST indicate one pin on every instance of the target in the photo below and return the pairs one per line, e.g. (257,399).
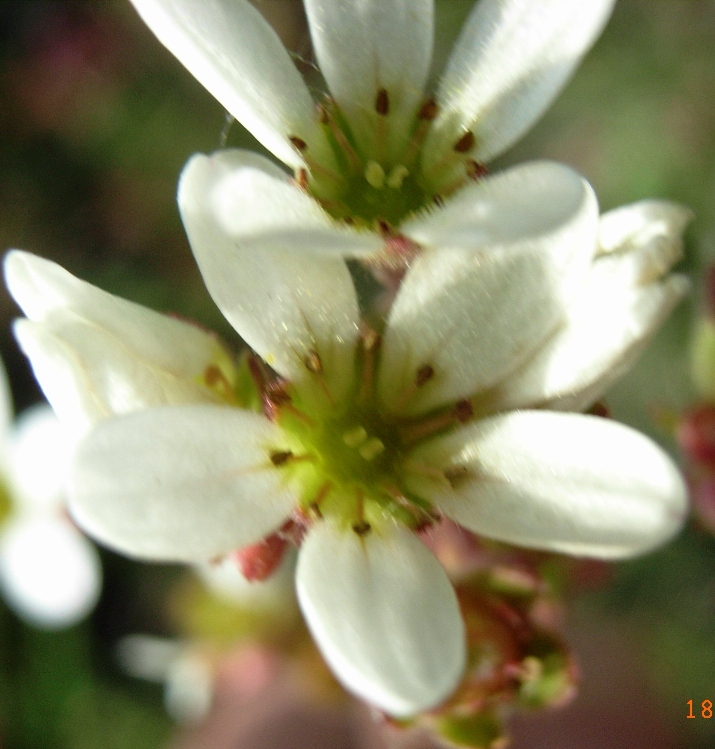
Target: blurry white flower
(378,152)
(365,438)
(186,671)
(50,573)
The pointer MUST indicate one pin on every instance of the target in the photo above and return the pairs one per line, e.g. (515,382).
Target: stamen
(334,207)
(438,200)
(475,170)
(217,381)
(465,143)
(313,362)
(301,179)
(371,449)
(362,528)
(323,492)
(397,176)
(429,472)
(382,103)
(456,475)
(422,516)
(375,175)
(384,228)
(370,344)
(424,374)
(273,394)
(280,457)
(428,112)
(299,143)
(463,411)
(318,168)
(291,409)
(326,119)
(460,413)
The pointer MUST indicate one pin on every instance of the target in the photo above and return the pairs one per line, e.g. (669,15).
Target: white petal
(522,202)
(95,354)
(568,483)
(511,61)
(184,484)
(229,47)
(50,574)
(605,333)
(364,46)
(635,225)
(256,206)
(384,615)
(475,316)
(41,449)
(613,318)
(285,304)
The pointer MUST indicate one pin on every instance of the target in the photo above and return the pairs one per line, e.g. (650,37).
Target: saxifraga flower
(461,406)
(375,159)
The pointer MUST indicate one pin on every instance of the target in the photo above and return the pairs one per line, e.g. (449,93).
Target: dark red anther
(696,434)
(299,143)
(463,411)
(259,561)
(424,374)
(382,103)
(475,170)
(600,409)
(465,143)
(429,110)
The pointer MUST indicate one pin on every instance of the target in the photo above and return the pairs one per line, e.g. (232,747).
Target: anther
(600,409)
(371,449)
(382,103)
(385,228)
(370,339)
(375,175)
(456,475)
(313,362)
(429,110)
(424,374)
(475,170)
(216,380)
(323,114)
(280,457)
(463,411)
(299,143)
(397,176)
(362,528)
(465,143)
(301,178)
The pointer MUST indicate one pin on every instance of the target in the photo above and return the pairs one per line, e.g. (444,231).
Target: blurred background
(96,122)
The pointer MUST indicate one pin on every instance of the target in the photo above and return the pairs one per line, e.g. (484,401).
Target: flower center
(379,178)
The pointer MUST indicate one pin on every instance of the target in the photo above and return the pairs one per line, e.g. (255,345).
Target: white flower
(50,573)
(185,670)
(366,438)
(379,152)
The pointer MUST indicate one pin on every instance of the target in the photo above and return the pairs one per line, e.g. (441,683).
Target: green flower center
(380,179)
